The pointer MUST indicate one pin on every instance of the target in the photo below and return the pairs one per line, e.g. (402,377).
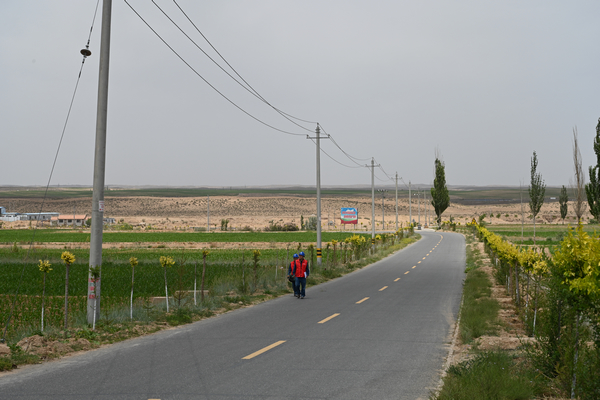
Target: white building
(69,219)
(11,216)
(41,216)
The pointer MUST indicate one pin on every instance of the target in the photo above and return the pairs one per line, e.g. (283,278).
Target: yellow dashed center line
(360,301)
(328,318)
(419,262)
(383,288)
(257,353)
(425,257)
(406,272)
(414,267)
(396,280)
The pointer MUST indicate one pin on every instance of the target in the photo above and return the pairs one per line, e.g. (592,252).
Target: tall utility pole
(372,166)
(318,142)
(426,208)
(93,300)
(396,201)
(409,204)
(419,201)
(382,206)
(208,214)
(373,203)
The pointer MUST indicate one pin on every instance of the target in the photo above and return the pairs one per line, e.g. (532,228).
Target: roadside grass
(229,289)
(479,313)
(491,375)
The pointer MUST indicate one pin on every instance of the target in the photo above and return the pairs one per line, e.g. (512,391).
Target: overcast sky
(484,82)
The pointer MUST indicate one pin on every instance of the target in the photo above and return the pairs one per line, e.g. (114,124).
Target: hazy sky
(485,82)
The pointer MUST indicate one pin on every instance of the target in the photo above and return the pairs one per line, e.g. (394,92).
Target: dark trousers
(295,286)
(301,285)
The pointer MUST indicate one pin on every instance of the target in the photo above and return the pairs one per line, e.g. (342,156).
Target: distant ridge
(401,186)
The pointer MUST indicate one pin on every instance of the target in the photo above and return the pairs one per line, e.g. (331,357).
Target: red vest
(300,268)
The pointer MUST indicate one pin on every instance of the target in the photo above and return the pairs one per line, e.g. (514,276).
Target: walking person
(301,271)
(292,278)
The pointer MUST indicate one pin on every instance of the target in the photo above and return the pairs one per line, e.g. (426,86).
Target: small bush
(287,227)
(311,225)
(86,334)
(6,364)
(125,227)
(181,316)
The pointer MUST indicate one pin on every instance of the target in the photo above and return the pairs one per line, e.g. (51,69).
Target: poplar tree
(592,189)
(579,184)
(537,190)
(440,198)
(563,199)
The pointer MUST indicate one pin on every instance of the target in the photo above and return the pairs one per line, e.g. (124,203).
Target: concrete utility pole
(419,201)
(372,166)
(93,300)
(426,208)
(382,206)
(373,203)
(318,143)
(208,214)
(409,205)
(396,201)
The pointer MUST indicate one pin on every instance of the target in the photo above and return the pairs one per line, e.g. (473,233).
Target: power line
(404,183)
(205,81)
(352,158)
(245,85)
(342,164)
(382,180)
(386,174)
(234,70)
(248,88)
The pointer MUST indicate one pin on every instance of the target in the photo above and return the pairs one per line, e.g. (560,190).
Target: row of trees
(581,190)
(440,199)
(559,300)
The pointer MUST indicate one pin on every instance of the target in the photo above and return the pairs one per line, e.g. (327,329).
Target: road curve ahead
(378,333)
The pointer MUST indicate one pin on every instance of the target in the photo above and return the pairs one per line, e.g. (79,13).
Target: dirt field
(256,212)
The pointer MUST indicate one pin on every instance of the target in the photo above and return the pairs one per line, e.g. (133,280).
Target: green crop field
(26,255)
(513,232)
(548,236)
(24,236)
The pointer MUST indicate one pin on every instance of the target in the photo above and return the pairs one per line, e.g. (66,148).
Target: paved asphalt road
(379,333)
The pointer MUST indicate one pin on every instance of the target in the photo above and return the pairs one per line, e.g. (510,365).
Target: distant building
(11,216)
(40,216)
(109,221)
(69,219)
